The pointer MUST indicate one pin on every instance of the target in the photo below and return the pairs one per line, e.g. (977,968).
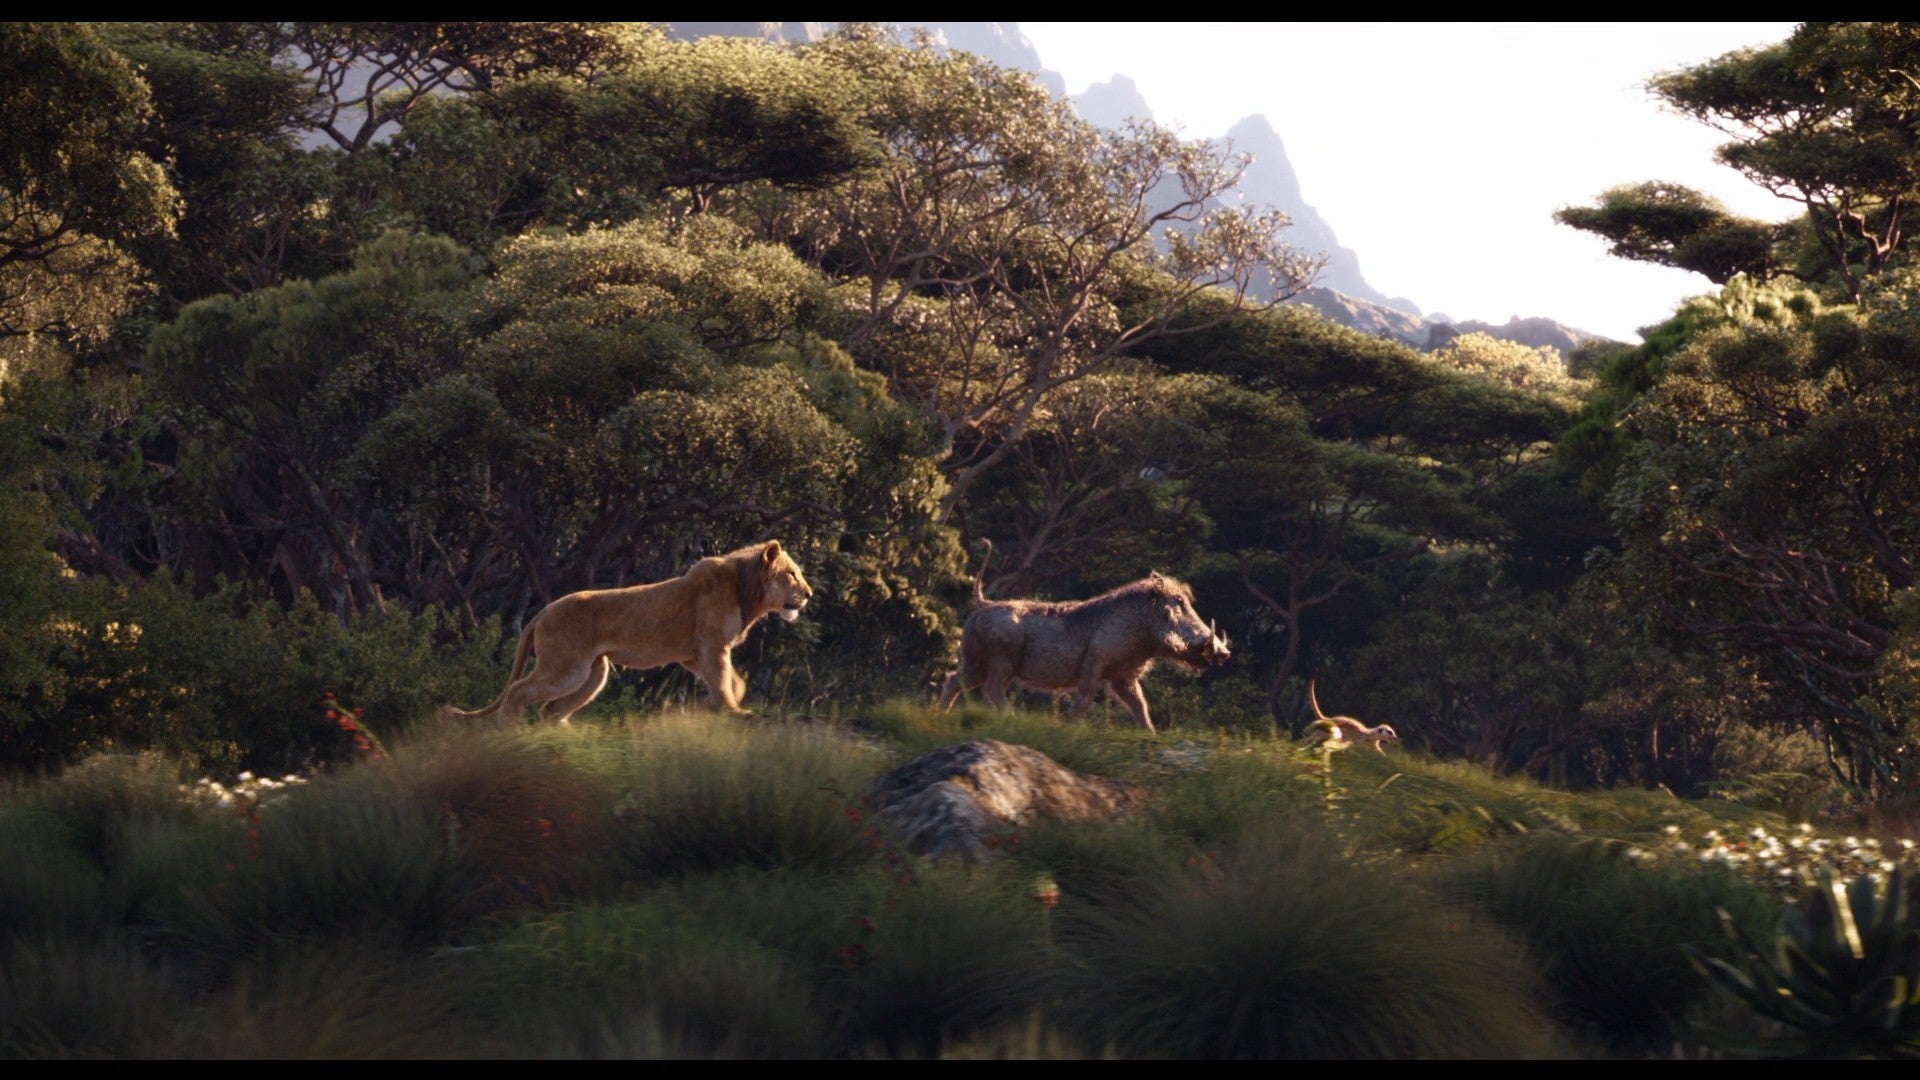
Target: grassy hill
(682,884)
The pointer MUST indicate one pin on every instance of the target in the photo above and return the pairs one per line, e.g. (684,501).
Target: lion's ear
(771,552)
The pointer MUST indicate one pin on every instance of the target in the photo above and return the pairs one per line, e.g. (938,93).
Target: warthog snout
(1218,651)
(1208,649)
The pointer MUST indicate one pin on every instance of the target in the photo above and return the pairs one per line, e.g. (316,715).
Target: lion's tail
(520,655)
(1315,699)
(979,579)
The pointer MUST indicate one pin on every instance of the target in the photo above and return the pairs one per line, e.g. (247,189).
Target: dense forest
(330,353)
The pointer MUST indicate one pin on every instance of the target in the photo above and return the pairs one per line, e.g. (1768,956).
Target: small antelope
(1344,731)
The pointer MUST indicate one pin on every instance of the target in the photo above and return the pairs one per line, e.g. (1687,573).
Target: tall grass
(84,999)
(699,793)
(91,808)
(341,859)
(1239,783)
(691,885)
(1075,743)
(655,966)
(1606,931)
(749,963)
(532,827)
(342,999)
(1283,948)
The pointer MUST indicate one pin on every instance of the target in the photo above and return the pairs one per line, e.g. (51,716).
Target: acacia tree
(1003,249)
(1826,119)
(1674,225)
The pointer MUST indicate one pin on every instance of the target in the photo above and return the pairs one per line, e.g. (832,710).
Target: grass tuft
(1283,948)
(1606,931)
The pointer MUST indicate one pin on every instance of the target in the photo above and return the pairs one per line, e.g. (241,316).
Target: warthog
(1110,642)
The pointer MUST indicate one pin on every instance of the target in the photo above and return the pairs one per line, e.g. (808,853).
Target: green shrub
(231,681)
(1607,931)
(1284,948)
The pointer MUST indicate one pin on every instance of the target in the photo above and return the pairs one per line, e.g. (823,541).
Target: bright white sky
(1438,152)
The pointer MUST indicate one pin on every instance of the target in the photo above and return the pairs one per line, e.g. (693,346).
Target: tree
(1674,225)
(1004,249)
(1103,485)
(1826,119)
(1767,514)
(225,125)
(370,75)
(75,187)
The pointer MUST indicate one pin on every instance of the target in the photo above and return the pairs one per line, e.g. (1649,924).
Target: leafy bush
(230,681)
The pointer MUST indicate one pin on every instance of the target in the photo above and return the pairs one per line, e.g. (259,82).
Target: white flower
(1671,830)
(245,776)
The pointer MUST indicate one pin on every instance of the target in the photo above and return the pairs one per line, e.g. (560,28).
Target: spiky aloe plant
(1845,976)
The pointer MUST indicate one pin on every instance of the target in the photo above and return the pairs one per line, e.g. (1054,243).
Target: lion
(694,620)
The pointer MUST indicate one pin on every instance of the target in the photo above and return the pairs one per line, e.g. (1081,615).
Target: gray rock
(952,802)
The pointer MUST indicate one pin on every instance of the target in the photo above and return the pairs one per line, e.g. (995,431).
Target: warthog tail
(979,595)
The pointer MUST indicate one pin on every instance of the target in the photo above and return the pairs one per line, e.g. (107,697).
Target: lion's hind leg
(559,709)
(546,683)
